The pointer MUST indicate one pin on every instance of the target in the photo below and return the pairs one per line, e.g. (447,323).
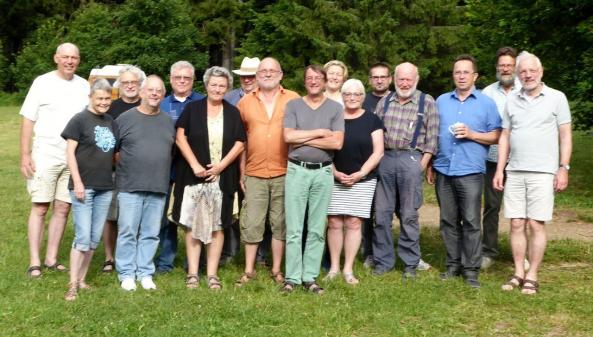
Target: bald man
(412,124)
(52,100)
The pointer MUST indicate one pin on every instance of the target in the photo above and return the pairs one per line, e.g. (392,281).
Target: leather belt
(310,166)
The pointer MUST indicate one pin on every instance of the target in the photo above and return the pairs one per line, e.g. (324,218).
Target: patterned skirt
(200,210)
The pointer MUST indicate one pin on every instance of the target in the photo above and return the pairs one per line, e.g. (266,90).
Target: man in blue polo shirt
(182,81)
(469,122)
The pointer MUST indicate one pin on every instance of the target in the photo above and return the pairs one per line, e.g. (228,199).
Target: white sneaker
(423,265)
(487,262)
(147,283)
(526,264)
(128,284)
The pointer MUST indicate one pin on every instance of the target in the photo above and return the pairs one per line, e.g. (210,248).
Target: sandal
(331,275)
(31,269)
(108,266)
(513,282)
(56,267)
(214,283)
(245,278)
(192,281)
(72,292)
(277,277)
(288,287)
(313,287)
(83,285)
(530,287)
(350,279)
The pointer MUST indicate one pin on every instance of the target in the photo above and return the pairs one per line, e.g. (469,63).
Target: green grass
(377,307)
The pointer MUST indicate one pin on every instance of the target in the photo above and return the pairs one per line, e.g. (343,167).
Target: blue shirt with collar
(234,96)
(173,107)
(460,157)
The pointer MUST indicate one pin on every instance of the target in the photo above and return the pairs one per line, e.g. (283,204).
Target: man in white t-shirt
(52,100)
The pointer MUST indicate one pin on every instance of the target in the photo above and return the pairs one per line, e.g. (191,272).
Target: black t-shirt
(358,143)
(370,102)
(94,153)
(119,106)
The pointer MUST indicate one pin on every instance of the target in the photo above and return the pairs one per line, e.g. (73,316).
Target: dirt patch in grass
(565,224)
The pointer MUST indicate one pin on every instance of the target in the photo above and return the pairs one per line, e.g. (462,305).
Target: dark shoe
(162,271)
(409,274)
(56,267)
(379,271)
(449,274)
(108,266)
(31,269)
(313,288)
(471,279)
(288,287)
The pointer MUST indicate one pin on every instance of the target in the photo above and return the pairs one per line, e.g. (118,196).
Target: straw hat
(248,67)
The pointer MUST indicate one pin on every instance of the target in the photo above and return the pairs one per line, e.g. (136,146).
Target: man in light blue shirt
(499,91)
(469,122)
(182,81)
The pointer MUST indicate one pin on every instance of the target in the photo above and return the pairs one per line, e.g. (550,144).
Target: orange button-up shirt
(267,153)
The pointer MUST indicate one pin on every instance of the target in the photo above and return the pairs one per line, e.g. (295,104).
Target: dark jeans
(459,202)
(399,190)
(167,241)
(492,203)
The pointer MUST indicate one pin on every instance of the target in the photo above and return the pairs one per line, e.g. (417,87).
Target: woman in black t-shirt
(355,179)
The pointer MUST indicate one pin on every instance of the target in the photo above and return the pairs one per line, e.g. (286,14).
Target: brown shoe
(245,278)
(277,277)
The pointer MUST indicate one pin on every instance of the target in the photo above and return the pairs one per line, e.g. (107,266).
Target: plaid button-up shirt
(400,122)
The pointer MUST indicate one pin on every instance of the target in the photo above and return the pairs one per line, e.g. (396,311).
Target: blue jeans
(89,217)
(139,221)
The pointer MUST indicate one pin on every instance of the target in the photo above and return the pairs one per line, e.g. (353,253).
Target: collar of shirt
(545,91)
(471,94)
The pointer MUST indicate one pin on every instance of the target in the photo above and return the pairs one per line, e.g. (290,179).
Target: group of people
(280,171)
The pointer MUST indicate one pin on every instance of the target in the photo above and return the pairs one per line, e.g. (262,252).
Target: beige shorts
(49,183)
(529,195)
(264,199)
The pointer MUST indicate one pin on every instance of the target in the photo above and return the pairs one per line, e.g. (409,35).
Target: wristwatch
(565,166)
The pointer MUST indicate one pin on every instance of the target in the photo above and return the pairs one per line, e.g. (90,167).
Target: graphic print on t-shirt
(104,138)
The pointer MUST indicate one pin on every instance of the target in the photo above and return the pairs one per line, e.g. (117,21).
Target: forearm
(332,142)
(26,136)
(503,150)
(565,143)
(485,138)
(292,136)
(371,163)
(235,151)
(243,161)
(425,160)
(72,163)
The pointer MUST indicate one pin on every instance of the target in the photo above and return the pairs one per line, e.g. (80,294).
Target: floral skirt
(200,210)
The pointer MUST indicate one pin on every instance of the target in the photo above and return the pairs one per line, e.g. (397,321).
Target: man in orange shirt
(263,167)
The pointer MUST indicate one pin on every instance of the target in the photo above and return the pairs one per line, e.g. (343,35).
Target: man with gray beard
(499,91)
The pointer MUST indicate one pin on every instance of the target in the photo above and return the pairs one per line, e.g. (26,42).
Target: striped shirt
(400,122)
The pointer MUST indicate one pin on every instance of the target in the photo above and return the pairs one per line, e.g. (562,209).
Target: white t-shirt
(50,103)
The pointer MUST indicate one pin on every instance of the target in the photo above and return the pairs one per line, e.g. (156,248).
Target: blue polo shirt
(174,107)
(460,157)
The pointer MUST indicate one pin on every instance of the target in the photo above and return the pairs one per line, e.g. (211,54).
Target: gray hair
(100,84)
(134,70)
(66,45)
(353,84)
(524,55)
(156,77)
(182,65)
(217,71)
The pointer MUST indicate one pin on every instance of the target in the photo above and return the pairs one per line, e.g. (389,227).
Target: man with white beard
(411,135)
(499,91)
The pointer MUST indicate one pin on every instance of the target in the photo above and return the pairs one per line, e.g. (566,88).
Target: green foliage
(4,70)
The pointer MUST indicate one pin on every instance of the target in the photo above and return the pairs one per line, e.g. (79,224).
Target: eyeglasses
(185,78)
(352,94)
(314,78)
(378,77)
(268,72)
(128,83)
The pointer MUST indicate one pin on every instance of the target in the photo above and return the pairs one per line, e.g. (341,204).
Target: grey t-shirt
(298,115)
(533,127)
(145,143)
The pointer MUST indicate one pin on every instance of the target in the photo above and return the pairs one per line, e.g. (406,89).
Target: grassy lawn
(381,306)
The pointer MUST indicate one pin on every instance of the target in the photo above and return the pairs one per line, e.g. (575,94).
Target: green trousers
(304,187)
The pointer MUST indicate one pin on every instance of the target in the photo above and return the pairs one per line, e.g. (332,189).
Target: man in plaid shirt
(411,134)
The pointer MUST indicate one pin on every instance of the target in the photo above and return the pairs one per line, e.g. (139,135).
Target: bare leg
(250,253)
(109,237)
(537,246)
(76,262)
(351,242)
(193,248)
(35,232)
(55,230)
(277,253)
(335,241)
(518,245)
(84,267)
(214,251)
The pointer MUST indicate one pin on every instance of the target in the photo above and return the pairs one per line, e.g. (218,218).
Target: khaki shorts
(529,195)
(264,198)
(49,182)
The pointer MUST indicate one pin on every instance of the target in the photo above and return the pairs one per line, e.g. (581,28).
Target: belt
(310,166)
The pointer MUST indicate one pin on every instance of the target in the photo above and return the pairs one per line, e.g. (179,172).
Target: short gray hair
(67,45)
(524,55)
(217,71)
(134,70)
(100,84)
(182,65)
(353,84)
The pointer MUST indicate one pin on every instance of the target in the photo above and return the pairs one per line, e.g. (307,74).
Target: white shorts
(49,182)
(529,195)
